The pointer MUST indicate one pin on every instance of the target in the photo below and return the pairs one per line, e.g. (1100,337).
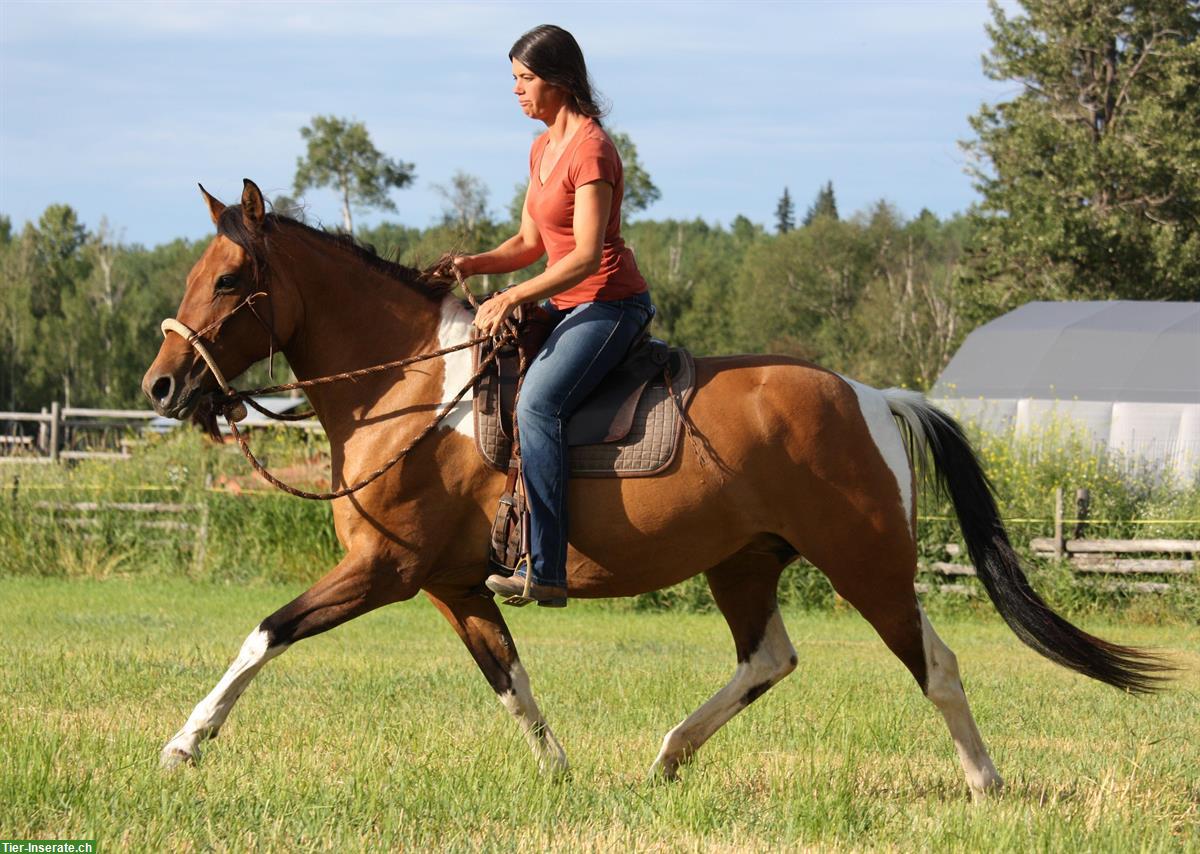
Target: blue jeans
(588,341)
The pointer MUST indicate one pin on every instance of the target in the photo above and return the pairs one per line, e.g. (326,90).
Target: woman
(598,298)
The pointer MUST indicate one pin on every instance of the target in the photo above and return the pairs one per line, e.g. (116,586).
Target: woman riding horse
(598,299)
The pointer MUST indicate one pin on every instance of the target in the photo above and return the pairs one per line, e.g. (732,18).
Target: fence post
(55,427)
(1083,506)
(1058,523)
(200,549)
(43,442)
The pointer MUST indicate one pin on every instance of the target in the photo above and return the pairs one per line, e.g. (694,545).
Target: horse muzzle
(171,396)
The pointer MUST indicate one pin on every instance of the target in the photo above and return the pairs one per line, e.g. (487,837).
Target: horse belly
(782,449)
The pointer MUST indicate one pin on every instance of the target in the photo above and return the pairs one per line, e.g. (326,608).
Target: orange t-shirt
(590,156)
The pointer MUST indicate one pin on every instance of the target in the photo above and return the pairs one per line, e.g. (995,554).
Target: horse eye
(226,282)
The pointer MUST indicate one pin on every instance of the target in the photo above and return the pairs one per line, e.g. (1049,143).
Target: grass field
(382,734)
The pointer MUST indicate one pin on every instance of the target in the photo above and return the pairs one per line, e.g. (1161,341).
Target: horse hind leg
(744,589)
(887,600)
(944,689)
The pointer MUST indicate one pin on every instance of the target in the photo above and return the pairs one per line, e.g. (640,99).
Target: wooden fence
(1102,557)
(59,427)
(54,424)
(179,520)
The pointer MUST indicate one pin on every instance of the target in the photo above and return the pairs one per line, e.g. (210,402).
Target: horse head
(230,318)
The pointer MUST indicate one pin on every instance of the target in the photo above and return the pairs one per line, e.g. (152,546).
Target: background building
(1127,372)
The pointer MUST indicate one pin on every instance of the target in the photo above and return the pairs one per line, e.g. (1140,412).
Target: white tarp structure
(1127,372)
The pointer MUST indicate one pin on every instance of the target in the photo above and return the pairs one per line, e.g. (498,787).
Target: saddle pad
(649,447)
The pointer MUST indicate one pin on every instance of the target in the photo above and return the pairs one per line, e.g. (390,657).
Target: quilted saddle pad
(649,447)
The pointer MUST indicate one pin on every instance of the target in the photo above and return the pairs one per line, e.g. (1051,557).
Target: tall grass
(260,535)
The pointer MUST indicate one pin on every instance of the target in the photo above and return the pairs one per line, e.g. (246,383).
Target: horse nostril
(160,392)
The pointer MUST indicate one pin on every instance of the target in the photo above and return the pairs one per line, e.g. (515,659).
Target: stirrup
(520,600)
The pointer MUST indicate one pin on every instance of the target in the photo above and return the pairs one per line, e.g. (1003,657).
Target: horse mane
(434,282)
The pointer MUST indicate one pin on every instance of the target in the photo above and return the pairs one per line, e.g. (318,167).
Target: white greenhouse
(1126,372)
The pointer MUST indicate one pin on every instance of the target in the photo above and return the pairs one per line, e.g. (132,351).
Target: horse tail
(932,434)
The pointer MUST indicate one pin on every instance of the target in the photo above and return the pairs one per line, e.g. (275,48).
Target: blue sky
(119,108)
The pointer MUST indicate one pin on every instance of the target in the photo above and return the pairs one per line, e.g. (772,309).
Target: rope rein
(231,403)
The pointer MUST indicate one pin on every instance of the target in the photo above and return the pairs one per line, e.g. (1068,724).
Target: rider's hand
(492,314)
(463,264)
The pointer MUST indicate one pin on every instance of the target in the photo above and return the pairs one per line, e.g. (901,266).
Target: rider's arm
(516,253)
(593,203)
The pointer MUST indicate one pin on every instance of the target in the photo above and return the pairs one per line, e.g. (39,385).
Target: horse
(793,460)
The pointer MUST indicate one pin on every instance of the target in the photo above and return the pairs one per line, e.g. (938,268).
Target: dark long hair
(552,54)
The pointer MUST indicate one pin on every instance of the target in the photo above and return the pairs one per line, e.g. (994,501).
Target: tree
(908,322)
(823,205)
(640,191)
(466,202)
(287,206)
(796,293)
(341,155)
(785,213)
(1089,176)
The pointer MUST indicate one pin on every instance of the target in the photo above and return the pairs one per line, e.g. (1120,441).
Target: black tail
(960,475)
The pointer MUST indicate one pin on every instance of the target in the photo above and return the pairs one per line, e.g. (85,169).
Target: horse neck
(355,316)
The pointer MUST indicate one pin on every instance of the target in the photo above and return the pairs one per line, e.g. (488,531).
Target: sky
(120,108)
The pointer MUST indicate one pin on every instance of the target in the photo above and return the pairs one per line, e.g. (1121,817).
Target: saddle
(627,427)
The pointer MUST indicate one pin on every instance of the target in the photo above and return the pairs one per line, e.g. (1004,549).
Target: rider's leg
(590,341)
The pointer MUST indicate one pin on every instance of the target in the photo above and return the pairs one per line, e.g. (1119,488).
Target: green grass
(383,733)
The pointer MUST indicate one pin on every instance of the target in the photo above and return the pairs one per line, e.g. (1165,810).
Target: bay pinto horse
(801,462)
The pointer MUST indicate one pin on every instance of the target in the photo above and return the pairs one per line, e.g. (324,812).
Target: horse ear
(253,207)
(214,204)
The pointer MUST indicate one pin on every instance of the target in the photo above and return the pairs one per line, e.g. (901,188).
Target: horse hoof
(664,771)
(990,788)
(174,757)
(555,769)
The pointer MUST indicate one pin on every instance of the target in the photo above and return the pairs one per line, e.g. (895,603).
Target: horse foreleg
(478,622)
(355,586)
(744,589)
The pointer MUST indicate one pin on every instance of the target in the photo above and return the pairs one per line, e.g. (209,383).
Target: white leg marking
(454,327)
(208,716)
(886,435)
(944,689)
(774,659)
(521,705)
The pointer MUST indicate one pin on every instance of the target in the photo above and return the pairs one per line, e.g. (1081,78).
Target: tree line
(1089,186)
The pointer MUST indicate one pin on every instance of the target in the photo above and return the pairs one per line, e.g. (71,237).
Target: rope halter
(170,324)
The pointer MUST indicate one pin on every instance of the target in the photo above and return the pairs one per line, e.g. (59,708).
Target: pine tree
(785,213)
(823,205)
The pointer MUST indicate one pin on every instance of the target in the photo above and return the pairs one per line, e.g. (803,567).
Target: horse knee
(771,661)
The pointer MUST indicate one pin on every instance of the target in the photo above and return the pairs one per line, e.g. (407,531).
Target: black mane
(434,282)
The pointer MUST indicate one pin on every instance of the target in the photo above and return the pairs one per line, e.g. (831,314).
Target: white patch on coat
(886,434)
(774,659)
(208,716)
(454,327)
(521,705)
(944,689)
